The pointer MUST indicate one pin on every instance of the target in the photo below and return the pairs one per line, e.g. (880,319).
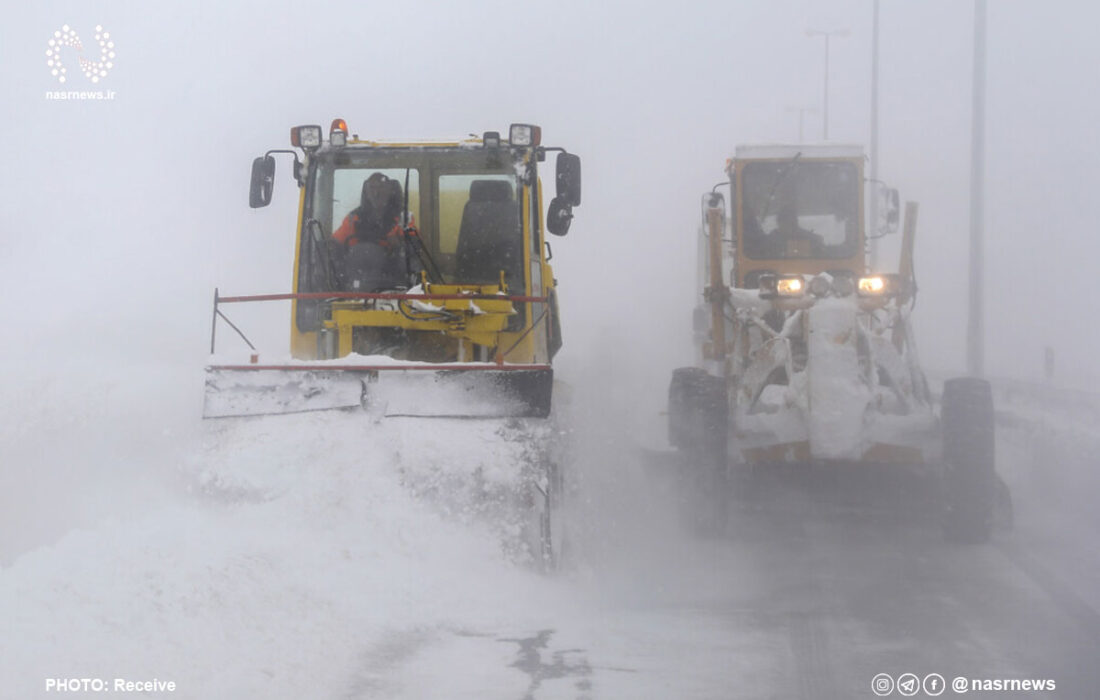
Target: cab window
(793,209)
(480,235)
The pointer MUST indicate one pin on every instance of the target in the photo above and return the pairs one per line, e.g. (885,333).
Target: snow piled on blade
(442,394)
(303,555)
(381,384)
(264,392)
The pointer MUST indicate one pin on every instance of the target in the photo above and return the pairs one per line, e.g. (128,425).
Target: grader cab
(804,353)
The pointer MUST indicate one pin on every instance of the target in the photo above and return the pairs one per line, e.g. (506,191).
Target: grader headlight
(790,286)
(877,285)
(782,286)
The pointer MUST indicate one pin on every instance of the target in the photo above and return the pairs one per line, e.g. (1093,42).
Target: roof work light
(338,133)
(306,137)
(524,135)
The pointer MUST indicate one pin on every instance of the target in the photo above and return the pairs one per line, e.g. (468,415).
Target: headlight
(787,286)
(877,285)
(790,287)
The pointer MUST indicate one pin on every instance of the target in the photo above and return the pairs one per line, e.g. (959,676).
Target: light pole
(826,34)
(874,135)
(802,112)
(975,327)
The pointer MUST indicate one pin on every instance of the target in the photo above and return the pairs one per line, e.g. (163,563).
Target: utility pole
(802,112)
(975,329)
(873,227)
(826,34)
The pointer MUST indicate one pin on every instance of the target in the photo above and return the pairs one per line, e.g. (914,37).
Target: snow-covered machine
(805,354)
(421,281)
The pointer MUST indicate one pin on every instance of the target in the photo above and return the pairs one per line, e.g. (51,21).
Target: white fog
(347,554)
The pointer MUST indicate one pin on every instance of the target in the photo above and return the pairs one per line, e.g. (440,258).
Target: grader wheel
(969,452)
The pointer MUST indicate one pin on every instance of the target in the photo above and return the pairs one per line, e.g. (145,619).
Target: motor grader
(448,310)
(805,354)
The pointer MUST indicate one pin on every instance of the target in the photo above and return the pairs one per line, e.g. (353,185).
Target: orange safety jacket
(346,233)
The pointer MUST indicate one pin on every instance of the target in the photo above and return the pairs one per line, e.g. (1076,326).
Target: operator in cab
(373,249)
(788,239)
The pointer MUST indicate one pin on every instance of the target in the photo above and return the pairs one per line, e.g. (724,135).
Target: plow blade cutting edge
(449,391)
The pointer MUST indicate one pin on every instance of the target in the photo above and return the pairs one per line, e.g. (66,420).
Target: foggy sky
(120,217)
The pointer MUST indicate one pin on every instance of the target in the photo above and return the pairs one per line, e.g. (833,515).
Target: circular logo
(882,684)
(934,684)
(94,69)
(908,685)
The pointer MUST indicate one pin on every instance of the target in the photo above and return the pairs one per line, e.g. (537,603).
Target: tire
(969,453)
(698,410)
(698,423)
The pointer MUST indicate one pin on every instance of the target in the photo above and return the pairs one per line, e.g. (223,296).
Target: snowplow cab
(414,256)
(798,210)
(472,225)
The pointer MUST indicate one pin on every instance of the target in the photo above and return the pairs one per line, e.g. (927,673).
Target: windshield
(797,209)
(375,219)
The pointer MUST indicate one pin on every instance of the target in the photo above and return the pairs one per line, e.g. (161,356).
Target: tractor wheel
(969,452)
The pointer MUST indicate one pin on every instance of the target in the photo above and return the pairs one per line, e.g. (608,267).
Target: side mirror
(263,182)
(559,216)
(569,179)
(889,211)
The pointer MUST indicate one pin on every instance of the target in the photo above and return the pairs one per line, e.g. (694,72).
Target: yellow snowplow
(804,353)
(421,281)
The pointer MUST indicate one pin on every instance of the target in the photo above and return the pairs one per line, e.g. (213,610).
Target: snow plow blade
(471,390)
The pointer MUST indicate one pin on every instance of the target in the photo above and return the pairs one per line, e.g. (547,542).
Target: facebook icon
(934,684)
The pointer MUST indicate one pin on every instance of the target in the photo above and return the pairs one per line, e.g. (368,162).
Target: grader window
(804,210)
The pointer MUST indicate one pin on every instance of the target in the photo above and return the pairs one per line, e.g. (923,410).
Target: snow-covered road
(323,555)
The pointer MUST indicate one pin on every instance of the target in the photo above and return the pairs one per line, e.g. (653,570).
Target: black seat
(489,238)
